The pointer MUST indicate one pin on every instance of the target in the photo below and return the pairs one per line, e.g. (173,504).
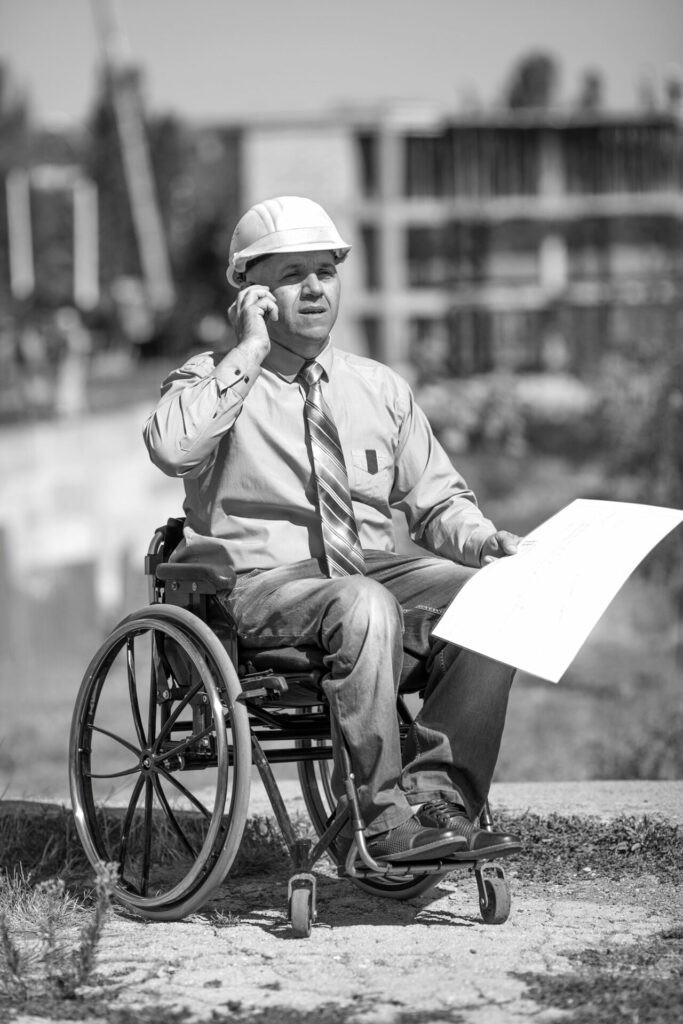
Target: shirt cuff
(475,543)
(236,373)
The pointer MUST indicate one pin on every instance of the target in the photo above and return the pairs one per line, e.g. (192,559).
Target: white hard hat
(284,224)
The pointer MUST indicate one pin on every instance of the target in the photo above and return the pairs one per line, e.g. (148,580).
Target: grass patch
(557,848)
(639,984)
(41,842)
(48,941)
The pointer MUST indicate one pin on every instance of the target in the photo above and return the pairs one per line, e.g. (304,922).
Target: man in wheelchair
(293,454)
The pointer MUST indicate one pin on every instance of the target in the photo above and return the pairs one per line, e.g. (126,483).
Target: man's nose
(312,285)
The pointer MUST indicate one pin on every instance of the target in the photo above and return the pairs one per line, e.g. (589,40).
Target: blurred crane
(123,82)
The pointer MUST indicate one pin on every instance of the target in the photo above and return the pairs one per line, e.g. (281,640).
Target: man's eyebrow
(301,265)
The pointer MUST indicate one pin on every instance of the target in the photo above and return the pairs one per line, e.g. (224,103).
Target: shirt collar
(326,358)
(286,365)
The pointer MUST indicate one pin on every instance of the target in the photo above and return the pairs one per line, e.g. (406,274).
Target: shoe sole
(489,852)
(438,850)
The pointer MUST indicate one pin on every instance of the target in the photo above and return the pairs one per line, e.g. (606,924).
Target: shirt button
(237,371)
(246,380)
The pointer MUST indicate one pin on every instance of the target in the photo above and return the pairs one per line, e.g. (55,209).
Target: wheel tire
(301,912)
(314,777)
(497,909)
(170,858)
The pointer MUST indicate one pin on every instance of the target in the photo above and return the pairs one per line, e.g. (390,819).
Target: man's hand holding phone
(248,315)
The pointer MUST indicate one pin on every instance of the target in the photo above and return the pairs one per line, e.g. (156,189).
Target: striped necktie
(343,552)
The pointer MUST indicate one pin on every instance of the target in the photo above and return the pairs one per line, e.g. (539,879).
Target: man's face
(306,288)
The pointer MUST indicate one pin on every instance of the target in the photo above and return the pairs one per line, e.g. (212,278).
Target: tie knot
(311,373)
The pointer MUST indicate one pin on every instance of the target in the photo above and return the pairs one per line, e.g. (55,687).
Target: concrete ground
(426,960)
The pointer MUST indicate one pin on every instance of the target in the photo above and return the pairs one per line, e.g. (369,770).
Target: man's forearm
(199,404)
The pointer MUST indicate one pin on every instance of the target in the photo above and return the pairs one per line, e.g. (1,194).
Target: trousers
(375,632)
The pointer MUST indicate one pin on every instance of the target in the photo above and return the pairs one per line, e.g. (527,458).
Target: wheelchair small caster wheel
(301,912)
(302,905)
(495,908)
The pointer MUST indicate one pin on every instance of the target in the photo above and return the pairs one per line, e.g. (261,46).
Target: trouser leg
(359,624)
(452,747)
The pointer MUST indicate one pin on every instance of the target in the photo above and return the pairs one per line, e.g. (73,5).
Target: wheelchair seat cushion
(303,660)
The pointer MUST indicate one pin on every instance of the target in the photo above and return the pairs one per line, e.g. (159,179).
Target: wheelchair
(170,718)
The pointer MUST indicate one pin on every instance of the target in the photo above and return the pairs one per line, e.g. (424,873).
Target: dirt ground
(568,952)
(430,959)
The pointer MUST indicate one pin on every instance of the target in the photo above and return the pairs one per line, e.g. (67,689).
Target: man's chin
(312,333)
(304,346)
(314,329)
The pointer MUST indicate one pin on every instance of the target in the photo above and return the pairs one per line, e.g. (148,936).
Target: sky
(222,59)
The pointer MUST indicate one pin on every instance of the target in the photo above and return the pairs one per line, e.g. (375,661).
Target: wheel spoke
(186,793)
(147,848)
(112,775)
(161,796)
(193,738)
(119,739)
(172,719)
(127,822)
(154,669)
(133,690)
(326,779)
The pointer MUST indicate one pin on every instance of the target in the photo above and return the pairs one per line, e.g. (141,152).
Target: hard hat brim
(316,240)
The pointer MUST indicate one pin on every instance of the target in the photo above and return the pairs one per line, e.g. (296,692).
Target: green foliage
(641,407)
(117,245)
(548,412)
(533,82)
(629,399)
(648,750)
(642,442)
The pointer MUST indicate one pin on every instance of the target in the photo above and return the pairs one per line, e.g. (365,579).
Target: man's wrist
(254,349)
(241,365)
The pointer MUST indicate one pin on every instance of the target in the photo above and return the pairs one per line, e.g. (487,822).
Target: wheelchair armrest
(196,576)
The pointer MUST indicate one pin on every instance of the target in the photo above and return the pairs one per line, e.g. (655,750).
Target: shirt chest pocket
(372,473)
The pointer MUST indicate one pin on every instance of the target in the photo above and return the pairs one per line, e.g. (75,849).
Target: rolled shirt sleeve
(199,404)
(441,510)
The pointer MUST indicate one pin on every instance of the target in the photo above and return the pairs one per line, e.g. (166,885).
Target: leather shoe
(414,841)
(479,843)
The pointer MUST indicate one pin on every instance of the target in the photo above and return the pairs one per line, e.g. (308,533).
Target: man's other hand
(498,545)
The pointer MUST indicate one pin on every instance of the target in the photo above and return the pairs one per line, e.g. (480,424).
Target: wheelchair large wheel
(160,761)
(315,780)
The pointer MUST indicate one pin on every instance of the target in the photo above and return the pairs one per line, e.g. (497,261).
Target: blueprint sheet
(535,609)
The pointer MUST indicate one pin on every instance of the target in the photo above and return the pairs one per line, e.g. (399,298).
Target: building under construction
(523,240)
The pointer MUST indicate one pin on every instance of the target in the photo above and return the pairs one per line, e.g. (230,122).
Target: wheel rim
(164,762)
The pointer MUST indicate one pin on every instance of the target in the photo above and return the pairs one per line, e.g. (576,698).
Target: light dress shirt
(236,435)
